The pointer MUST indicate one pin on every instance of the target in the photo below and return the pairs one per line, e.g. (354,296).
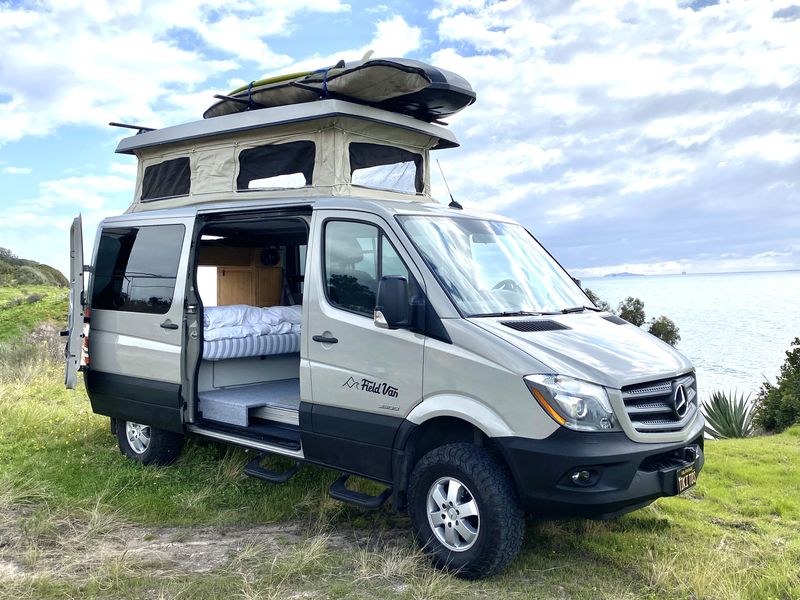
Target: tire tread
(499,497)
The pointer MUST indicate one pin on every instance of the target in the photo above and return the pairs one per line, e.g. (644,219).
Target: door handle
(169,325)
(324,339)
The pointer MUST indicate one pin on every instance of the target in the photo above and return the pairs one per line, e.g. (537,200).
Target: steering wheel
(508,285)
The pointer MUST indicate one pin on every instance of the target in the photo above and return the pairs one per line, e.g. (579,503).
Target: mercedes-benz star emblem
(679,402)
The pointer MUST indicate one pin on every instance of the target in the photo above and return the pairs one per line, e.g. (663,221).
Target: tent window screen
(166,179)
(136,268)
(386,167)
(276,166)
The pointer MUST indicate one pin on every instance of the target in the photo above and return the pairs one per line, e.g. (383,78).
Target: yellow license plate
(686,477)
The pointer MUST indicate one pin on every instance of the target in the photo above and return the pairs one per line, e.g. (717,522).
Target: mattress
(259,345)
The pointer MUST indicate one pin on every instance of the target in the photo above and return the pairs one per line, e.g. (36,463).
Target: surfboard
(405,86)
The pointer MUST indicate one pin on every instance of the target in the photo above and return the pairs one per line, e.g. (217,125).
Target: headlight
(573,403)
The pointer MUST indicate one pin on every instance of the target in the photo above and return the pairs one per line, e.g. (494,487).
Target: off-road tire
(502,522)
(163,448)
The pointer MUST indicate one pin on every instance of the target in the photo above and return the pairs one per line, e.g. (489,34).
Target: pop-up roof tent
(315,148)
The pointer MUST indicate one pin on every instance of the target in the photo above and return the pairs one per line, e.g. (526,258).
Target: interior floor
(277,401)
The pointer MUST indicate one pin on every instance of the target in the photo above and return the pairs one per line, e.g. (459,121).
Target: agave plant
(728,415)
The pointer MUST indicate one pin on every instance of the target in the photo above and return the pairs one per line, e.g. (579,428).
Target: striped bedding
(259,345)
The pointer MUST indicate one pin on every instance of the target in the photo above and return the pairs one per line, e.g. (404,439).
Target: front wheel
(146,444)
(464,510)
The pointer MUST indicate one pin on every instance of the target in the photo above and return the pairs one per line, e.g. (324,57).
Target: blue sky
(655,136)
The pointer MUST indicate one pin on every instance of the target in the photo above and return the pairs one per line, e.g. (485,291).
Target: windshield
(491,268)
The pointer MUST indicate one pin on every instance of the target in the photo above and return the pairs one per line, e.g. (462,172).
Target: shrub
(778,406)
(632,310)
(665,329)
(728,415)
(601,304)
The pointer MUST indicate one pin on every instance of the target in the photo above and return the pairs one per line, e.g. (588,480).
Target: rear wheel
(464,510)
(148,445)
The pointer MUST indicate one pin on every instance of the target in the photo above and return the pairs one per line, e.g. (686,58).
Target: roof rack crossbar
(139,128)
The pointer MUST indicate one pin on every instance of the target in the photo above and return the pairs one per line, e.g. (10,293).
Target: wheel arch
(436,422)
(462,408)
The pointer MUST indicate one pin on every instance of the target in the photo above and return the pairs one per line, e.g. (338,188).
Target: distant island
(623,274)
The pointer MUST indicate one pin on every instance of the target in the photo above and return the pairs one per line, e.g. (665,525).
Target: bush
(632,310)
(665,329)
(601,304)
(728,416)
(778,406)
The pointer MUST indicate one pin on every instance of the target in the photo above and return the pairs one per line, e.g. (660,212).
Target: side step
(254,469)
(338,491)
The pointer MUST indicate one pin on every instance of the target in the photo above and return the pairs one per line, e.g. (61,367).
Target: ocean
(734,327)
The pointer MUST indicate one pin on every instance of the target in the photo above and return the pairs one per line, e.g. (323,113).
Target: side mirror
(391,305)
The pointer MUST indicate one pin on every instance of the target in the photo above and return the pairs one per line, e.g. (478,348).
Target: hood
(592,349)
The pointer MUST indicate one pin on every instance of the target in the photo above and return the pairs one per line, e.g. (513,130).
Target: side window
(386,167)
(357,255)
(136,268)
(287,165)
(167,179)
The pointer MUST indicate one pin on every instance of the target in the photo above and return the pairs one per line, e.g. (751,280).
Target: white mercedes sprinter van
(284,282)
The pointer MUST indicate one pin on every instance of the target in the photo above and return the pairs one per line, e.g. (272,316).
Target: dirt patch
(36,543)
(202,549)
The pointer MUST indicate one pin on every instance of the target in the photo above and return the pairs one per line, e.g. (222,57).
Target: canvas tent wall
(324,148)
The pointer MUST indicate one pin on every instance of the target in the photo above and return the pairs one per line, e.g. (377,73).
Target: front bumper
(625,475)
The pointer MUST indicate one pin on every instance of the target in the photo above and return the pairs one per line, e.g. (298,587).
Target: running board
(243,441)
(338,491)
(254,469)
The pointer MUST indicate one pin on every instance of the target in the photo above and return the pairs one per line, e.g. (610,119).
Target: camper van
(284,282)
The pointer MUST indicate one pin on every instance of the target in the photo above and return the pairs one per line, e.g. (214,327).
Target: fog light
(582,477)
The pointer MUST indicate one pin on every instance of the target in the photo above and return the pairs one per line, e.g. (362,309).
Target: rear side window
(357,255)
(276,166)
(386,167)
(166,179)
(136,268)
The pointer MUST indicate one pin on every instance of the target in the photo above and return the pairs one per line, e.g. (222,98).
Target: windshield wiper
(509,313)
(573,309)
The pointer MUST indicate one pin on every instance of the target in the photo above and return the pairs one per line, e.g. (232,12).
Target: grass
(22,308)
(77,519)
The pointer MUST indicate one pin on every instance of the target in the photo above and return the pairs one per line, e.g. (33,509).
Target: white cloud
(670,127)
(393,37)
(38,227)
(765,261)
(73,63)
(11,170)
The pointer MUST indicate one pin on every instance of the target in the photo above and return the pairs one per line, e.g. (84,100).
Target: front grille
(651,407)
(536,325)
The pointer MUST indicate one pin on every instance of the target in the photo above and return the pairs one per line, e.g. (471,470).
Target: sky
(650,136)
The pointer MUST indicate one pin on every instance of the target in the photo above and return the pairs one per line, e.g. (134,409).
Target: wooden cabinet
(242,279)
(235,286)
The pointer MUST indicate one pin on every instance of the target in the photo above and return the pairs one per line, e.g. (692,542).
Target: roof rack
(139,128)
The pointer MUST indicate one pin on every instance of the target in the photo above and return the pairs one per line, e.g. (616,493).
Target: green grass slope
(736,535)
(24,307)
(15,271)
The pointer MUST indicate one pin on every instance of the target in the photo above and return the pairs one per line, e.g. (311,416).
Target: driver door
(364,379)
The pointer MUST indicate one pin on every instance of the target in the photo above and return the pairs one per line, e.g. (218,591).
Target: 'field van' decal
(374,387)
